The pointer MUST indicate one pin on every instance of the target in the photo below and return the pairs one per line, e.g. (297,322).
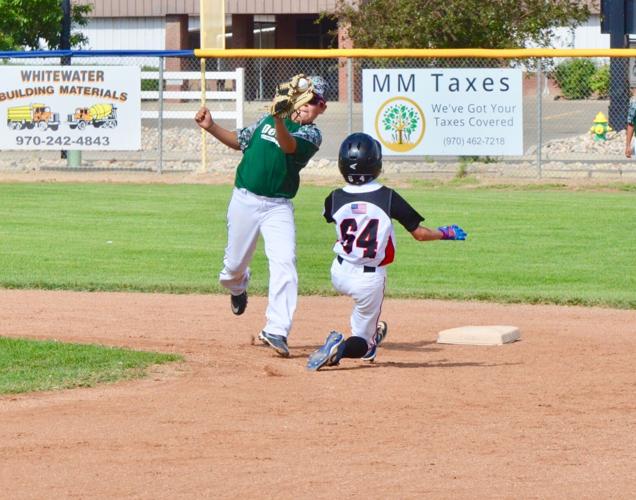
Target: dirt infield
(550,416)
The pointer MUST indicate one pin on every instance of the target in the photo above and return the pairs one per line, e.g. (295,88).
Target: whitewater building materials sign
(444,112)
(70,107)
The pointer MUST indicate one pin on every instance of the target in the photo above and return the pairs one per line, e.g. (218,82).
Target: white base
(479,335)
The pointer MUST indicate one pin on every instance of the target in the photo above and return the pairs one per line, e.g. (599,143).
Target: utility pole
(65,42)
(65,33)
(619,92)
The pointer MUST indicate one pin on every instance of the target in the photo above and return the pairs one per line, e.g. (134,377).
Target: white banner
(70,107)
(453,112)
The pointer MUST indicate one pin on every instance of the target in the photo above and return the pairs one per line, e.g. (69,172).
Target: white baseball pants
(367,291)
(249,216)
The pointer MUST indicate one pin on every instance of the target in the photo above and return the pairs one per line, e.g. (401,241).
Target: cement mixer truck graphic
(98,115)
(32,116)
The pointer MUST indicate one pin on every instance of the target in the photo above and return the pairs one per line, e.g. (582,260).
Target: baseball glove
(291,95)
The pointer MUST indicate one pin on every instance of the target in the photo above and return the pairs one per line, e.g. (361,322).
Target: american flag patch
(359,208)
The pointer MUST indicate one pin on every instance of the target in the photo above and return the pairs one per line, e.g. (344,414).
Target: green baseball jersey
(267,171)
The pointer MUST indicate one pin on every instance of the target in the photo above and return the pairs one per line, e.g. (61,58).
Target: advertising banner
(453,112)
(70,107)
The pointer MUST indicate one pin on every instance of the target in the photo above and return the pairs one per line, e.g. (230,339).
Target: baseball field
(132,263)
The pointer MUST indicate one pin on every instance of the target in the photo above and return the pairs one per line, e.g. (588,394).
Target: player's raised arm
(285,140)
(205,121)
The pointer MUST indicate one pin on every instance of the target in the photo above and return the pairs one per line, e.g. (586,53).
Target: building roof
(161,8)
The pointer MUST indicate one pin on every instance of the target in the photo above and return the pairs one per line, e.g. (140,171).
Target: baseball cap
(320,86)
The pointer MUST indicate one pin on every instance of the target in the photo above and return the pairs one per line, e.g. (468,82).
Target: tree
(488,24)
(37,24)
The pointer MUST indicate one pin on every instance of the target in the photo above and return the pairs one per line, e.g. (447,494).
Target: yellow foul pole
(212,28)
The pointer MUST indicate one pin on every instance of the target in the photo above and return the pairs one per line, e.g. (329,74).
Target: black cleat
(238,303)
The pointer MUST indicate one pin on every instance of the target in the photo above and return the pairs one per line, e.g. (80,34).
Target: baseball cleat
(277,342)
(238,303)
(380,334)
(329,354)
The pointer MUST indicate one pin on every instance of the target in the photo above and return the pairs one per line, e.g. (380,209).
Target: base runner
(362,212)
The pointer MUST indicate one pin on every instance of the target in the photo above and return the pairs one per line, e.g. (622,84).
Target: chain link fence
(562,101)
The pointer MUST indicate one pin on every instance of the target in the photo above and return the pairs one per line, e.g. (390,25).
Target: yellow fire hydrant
(600,127)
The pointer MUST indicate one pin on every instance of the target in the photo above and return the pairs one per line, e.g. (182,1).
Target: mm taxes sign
(453,112)
(70,107)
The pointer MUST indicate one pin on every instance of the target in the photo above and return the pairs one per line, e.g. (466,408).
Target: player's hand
(453,232)
(628,152)
(204,118)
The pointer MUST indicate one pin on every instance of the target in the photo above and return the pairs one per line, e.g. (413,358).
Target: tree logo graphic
(400,124)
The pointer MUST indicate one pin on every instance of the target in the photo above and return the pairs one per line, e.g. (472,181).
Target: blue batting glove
(453,232)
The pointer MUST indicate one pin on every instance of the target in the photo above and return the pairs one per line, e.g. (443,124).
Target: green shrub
(573,77)
(599,82)
(149,84)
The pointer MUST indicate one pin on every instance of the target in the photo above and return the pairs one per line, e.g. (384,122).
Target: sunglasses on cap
(316,99)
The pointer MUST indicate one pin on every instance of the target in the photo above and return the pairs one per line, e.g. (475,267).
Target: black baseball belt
(365,269)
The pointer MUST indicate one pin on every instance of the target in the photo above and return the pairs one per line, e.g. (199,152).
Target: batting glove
(453,232)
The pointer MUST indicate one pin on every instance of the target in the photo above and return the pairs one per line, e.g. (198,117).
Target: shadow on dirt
(434,364)
(410,346)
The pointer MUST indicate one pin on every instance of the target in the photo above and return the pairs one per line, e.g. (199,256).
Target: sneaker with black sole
(238,303)
(277,342)
(380,334)
(329,354)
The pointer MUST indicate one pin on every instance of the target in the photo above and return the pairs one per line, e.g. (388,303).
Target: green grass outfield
(545,245)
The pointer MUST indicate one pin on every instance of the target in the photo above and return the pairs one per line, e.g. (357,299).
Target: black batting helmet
(360,158)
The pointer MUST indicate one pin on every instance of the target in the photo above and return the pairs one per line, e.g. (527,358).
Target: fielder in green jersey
(274,150)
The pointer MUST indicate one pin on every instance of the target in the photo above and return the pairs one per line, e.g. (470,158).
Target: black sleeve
(327,214)
(404,213)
